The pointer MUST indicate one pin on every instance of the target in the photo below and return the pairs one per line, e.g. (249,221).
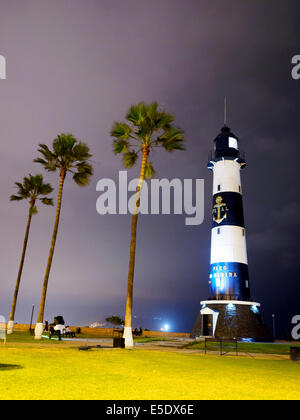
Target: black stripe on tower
(228,209)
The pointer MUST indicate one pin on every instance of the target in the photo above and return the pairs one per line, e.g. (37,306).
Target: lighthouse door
(207,323)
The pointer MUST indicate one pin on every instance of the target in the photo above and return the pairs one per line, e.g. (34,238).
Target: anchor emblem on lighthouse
(219,210)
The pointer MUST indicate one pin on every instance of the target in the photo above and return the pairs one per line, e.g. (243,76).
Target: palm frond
(41,161)
(50,165)
(47,201)
(120,146)
(172,139)
(81,178)
(16,198)
(63,145)
(144,131)
(45,189)
(22,190)
(84,167)
(81,152)
(151,110)
(46,152)
(129,159)
(137,114)
(121,131)
(163,120)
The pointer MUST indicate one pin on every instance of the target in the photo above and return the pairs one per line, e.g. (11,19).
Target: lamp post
(274,330)
(32,312)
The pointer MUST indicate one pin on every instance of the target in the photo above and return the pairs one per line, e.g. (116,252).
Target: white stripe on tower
(227,176)
(228,246)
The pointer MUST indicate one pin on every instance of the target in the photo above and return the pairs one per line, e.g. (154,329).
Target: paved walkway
(174,345)
(215,353)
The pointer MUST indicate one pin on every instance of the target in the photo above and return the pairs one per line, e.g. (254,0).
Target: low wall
(108,332)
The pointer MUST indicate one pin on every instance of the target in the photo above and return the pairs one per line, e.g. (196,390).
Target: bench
(137,333)
(120,333)
(53,332)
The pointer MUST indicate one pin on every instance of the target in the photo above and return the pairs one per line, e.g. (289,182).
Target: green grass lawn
(25,337)
(45,370)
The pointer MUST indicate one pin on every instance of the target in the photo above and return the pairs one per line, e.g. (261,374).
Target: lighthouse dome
(226,144)
(226,147)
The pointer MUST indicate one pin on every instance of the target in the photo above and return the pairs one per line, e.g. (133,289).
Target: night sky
(76,66)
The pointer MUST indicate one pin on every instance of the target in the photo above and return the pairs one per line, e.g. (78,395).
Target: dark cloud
(76,66)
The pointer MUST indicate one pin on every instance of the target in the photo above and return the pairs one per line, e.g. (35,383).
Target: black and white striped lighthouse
(229,312)
(229,279)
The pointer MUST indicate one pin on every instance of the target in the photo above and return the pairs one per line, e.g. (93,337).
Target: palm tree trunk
(128,314)
(39,324)
(10,326)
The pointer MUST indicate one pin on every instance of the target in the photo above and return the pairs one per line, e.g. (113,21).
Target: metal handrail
(222,341)
(212,155)
(226,297)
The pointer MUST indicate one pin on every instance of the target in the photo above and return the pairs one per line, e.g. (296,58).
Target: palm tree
(147,127)
(31,190)
(68,155)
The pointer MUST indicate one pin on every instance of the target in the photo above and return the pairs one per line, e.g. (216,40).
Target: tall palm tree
(147,127)
(67,155)
(31,190)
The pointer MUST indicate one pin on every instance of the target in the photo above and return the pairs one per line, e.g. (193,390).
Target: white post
(128,337)
(10,327)
(39,328)
(2,329)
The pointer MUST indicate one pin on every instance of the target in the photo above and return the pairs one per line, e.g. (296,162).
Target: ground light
(165,328)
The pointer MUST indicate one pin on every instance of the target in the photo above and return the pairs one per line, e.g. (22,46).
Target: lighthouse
(229,278)
(229,312)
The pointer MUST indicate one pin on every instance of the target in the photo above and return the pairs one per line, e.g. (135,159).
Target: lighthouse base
(232,320)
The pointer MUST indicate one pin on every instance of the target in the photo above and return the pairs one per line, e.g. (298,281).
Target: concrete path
(174,345)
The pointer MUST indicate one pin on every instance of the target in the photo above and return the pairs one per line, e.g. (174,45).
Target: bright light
(232,142)
(254,309)
(231,306)
(165,328)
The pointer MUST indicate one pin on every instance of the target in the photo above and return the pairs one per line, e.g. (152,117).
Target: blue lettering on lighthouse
(229,280)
